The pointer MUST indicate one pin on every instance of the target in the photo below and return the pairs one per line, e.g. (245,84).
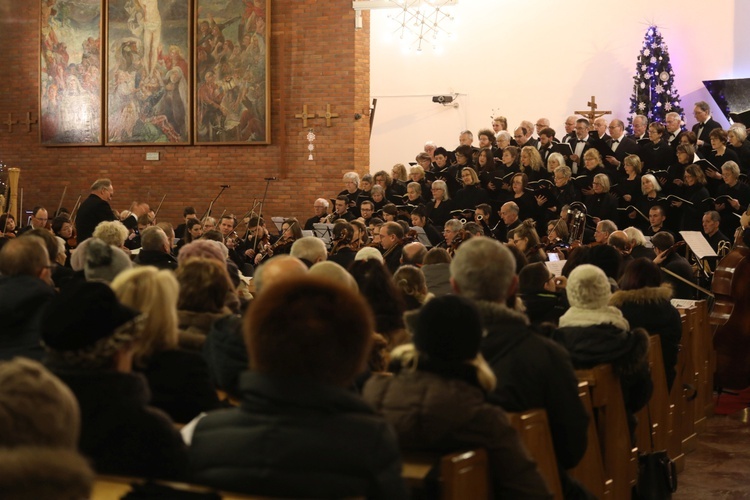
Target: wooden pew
(590,470)
(115,487)
(685,420)
(619,458)
(657,410)
(677,403)
(462,475)
(705,364)
(533,427)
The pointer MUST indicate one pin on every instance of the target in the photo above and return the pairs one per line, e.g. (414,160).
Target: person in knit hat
(437,399)
(596,333)
(90,338)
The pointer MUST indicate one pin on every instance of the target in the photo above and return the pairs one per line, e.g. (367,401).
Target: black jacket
(627,351)
(22,299)
(443,414)
(650,308)
(534,372)
(157,259)
(180,384)
(296,438)
(120,433)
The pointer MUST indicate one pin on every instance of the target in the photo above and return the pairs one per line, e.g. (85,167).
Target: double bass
(730,315)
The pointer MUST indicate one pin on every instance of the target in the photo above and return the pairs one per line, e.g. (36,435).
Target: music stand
(324,232)
(421,236)
(278,222)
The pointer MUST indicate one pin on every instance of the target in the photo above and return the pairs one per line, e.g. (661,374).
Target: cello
(730,314)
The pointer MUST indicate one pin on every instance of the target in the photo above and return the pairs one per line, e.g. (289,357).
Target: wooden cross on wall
(10,122)
(328,115)
(305,115)
(29,122)
(592,114)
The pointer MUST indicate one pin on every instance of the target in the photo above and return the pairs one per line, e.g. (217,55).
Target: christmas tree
(654,93)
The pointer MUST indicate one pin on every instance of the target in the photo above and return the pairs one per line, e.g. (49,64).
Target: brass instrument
(13,174)
(577,221)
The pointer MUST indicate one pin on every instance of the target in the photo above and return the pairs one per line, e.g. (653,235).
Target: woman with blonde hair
(532,164)
(178,379)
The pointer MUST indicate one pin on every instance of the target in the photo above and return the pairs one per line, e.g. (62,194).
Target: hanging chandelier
(417,23)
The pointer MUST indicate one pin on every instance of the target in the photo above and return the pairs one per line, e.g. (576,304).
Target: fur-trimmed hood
(644,295)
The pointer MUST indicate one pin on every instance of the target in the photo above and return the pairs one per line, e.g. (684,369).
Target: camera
(442,99)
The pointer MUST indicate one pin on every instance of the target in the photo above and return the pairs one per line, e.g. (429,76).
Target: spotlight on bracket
(442,99)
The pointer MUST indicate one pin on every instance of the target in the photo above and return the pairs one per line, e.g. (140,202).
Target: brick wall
(317,58)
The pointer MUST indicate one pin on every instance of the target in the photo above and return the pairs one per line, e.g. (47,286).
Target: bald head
(619,240)
(413,254)
(276,270)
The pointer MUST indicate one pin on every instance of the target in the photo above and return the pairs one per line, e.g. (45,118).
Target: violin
(730,315)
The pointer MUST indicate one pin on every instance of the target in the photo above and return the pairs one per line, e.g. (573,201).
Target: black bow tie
(702,125)
(616,141)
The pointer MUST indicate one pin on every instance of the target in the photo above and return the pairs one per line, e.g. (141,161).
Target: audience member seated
(377,288)
(411,283)
(155,249)
(178,379)
(540,292)
(309,250)
(39,428)
(104,262)
(532,371)
(436,270)
(25,288)
(645,302)
(437,399)
(595,333)
(90,339)
(204,286)
(299,431)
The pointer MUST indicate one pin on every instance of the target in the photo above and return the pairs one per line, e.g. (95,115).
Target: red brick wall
(317,58)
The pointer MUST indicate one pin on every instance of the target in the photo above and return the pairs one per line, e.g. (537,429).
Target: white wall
(541,58)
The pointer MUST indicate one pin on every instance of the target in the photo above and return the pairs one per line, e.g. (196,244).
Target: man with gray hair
(309,250)
(640,124)
(673,122)
(276,269)
(25,288)
(509,214)
(702,113)
(532,370)
(321,210)
(155,249)
(96,209)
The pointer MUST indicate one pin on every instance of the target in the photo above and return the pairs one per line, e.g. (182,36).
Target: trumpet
(331,218)
(480,218)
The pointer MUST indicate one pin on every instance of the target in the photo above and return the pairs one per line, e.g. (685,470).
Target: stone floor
(719,468)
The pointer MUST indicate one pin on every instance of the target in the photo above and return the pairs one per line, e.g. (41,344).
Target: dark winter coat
(627,351)
(442,414)
(650,308)
(180,384)
(120,433)
(534,372)
(22,299)
(297,438)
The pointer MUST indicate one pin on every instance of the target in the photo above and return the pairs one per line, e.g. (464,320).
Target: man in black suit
(522,136)
(620,147)
(673,124)
(640,125)
(702,113)
(96,209)
(579,144)
(599,137)
(546,141)
(570,128)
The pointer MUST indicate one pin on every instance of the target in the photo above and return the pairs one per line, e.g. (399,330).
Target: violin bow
(59,205)
(159,207)
(74,213)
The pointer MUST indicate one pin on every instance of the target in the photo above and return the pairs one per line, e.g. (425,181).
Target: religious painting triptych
(168,72)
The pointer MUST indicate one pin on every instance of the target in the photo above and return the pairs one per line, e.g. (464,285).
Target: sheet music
(683,303)
(278,221)
(698,244)
(324,232)
(422,236)
(555,266)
